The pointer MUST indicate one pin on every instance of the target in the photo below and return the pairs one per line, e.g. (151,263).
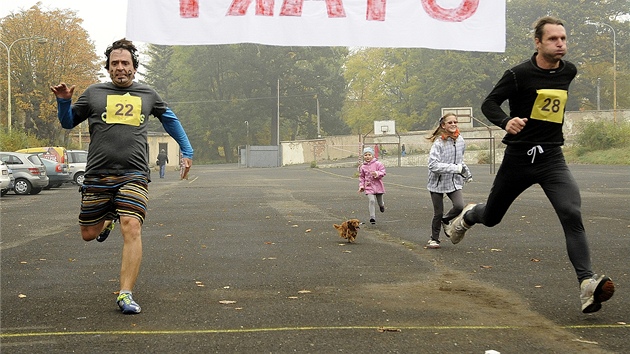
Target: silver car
(77,160)
(29,172)
(6,179)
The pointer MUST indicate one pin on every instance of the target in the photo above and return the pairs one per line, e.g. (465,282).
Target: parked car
(29,172)
(54,153)
(57,173)
(6,179)
(77,160)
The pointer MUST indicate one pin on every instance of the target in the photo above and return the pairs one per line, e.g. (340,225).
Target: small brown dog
(348,229)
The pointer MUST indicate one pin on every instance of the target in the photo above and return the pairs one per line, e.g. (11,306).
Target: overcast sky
(105,21)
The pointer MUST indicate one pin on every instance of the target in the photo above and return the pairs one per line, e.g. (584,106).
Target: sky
(105,21)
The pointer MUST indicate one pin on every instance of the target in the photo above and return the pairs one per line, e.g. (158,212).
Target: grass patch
(614,156)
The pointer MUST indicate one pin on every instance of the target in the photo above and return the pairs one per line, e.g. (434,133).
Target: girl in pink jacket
(370,182)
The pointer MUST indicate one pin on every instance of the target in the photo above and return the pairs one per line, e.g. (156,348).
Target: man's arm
(174,128)
(64,104)
(491,106)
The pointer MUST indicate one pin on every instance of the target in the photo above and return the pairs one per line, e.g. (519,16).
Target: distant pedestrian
(162,160)
(447,174)
(371,174)
(403,152)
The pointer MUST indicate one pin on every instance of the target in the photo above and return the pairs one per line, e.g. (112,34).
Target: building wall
(479,141)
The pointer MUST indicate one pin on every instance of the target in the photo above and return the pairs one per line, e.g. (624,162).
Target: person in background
(162,160)
(117,171)
(371,174)
(537,91)
(447,174)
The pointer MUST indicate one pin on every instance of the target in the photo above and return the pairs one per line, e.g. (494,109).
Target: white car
(6,179)
(77,160)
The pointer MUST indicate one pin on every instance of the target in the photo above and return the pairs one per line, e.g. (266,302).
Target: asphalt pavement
(243,260)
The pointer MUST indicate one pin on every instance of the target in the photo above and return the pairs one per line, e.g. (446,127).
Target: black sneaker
(382,207)
(105,233)
(372,221)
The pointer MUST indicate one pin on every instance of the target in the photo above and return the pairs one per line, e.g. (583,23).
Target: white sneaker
(594,291)
(432,244)
(457,228)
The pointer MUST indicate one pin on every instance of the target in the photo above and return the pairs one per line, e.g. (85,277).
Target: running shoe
(432,244)
(105,233)
(382,208)
(594,291)
(457,228)
(372,221)
(127,304)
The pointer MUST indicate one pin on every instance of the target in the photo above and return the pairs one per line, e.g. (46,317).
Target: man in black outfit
(537,92)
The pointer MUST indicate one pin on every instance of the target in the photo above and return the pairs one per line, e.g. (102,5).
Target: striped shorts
(105,197)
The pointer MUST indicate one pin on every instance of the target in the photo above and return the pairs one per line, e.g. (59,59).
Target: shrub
(603,136)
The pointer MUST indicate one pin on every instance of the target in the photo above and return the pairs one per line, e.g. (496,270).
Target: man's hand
(62,90)
(515,125)
(187,163)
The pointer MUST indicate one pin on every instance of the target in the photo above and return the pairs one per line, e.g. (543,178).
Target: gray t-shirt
(117,119)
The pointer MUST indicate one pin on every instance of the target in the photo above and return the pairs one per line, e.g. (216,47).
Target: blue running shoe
(127,304)
(105,233)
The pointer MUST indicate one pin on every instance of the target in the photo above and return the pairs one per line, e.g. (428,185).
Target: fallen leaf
(226,287)
(346,251)
(538,286)
(295,225)
(292,297)
(21,296)
(535,260)
(308,230)
(227,302)
(486,266)
(304,292)
(23,262)
(621,323)
(496,250)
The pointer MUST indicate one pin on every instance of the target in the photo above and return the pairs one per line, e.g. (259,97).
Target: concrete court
(246,260)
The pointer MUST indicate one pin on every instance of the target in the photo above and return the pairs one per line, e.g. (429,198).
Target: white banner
(469,25)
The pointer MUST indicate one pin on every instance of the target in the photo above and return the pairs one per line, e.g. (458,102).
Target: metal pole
(319,135)
(598,101)
(614,65)
(8,48)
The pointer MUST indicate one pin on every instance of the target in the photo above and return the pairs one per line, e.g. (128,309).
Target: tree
(219,88)
(67,55)
(412,85)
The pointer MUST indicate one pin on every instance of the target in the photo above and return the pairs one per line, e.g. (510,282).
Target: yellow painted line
(292,329)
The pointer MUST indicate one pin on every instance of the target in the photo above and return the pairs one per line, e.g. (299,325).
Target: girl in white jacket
(447,173)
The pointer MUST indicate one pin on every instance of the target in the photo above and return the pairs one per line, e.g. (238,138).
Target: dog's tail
(338,227)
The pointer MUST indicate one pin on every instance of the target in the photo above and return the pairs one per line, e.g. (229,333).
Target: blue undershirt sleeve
(174,128)
(64,113)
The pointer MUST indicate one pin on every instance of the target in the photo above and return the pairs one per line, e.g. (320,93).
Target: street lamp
(614,64)
(40,40)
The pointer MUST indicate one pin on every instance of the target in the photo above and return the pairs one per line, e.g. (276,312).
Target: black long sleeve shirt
(534,93)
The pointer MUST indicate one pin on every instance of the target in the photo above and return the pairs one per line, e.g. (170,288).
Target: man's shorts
(106,197)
